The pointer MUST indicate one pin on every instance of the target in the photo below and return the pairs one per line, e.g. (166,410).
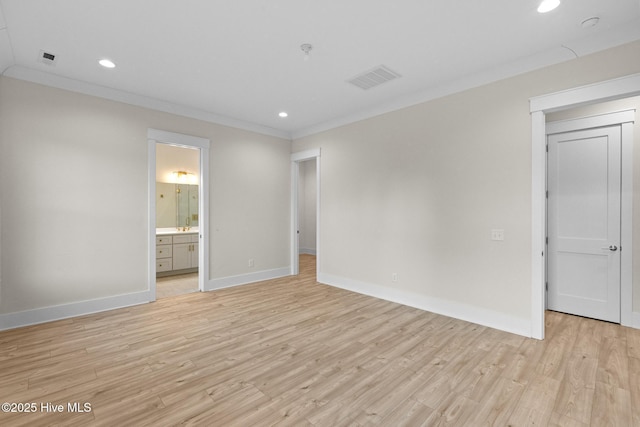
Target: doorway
(539,106)
(180,246)
(305,207)
(177,219)
(584,217)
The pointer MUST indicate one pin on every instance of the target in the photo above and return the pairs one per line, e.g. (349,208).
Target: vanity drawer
(164,251)
(164,265)
(164,240)
(186,238)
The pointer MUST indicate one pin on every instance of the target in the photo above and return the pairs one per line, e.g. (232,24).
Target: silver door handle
(612,248)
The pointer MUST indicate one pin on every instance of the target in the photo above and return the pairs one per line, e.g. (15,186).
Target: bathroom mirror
(176,205)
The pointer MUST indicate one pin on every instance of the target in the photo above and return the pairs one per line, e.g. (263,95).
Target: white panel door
(584,177)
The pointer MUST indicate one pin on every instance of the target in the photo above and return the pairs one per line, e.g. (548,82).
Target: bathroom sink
(174,230)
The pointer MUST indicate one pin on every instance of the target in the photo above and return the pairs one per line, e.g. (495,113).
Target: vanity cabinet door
(181,255)
(194,255)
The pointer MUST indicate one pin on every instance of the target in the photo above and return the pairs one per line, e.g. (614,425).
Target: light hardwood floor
(291,352)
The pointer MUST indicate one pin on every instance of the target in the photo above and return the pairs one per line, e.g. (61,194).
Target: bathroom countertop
(174,230)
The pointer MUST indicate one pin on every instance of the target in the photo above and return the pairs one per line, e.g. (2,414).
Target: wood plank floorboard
(293,352)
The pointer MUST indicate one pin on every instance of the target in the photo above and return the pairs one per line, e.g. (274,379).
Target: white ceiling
(240,62)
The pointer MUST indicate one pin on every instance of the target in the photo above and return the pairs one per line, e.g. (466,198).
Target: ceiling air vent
(375,77)
(47,58)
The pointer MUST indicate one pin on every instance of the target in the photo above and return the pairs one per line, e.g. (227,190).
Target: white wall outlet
(497,234)
(251,263)
(394,277)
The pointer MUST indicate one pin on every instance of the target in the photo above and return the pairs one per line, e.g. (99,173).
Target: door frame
(623,120)
(155,136)
(539,106)
(296,159)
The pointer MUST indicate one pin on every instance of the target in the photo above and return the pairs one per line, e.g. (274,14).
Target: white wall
(73,191)
(417,191)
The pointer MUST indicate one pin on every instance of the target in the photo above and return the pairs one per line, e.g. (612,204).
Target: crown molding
(578,48)
(59,82)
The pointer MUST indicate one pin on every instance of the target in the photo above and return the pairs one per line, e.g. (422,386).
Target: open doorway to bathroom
(177,203)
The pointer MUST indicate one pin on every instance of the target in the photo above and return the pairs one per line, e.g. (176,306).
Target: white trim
(305,155)
(295,223)
(203,218)
(296,158)
(202,144)
(608,90)
(601,120)
(151,215)
(622,87)
(469,313)
(538,224)
(245,279)
(308,251)
(65,311)
(167,137)
(626,229)
(53,80)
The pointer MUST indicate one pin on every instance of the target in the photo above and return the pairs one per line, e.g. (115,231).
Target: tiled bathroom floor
(176,285)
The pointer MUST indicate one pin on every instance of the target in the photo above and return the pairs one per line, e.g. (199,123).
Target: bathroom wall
(170,159)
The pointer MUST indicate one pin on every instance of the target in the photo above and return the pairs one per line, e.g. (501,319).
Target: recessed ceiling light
(283,114)
(107,63)
(548,5)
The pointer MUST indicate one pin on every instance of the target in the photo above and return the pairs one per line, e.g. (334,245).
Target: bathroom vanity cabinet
(185,251)
(176,253)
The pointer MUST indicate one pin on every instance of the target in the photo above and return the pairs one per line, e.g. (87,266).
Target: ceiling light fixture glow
(548,5)
(107,63)
(283,114)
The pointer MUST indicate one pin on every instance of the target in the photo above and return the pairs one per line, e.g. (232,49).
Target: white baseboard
(308,251)
(81,308)
(448,308)
(65,311)
(243,279)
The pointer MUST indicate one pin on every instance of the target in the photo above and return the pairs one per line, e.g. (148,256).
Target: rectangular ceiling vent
(47,58)
(375,77)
